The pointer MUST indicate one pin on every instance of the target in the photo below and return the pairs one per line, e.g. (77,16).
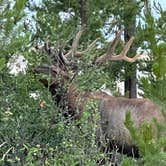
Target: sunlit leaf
(20,4)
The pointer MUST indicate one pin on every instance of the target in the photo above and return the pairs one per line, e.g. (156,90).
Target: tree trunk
(83,12)
(130,69)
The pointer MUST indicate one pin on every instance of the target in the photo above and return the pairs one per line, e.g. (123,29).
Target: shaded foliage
(33,131)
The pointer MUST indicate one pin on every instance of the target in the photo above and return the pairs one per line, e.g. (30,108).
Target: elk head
(112,109)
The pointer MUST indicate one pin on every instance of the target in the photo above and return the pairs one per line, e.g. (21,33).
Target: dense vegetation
(33,131)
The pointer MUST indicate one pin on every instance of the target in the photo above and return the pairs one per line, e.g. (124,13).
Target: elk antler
(110,55)
(73,51)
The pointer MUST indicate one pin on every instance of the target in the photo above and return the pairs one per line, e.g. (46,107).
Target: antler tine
(110,52)
(122,55)
(76,40)
(79,53)
(75,43)
(65,60)
(127,47)
(110,55)
(114,43)
(73,51)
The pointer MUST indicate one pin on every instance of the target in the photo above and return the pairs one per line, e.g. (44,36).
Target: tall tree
(130,12)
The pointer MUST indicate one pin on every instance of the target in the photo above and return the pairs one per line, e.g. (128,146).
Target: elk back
(113,115)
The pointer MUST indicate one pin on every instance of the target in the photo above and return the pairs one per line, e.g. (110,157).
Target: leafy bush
(33,131)
(150,147)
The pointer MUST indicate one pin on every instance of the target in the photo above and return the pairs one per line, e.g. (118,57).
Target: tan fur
(113,113)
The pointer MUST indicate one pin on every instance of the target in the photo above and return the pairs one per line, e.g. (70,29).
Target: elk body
(113,112)
(112,109)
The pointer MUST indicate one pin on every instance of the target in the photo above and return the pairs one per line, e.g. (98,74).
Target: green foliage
(33,134)
(129,124)
(33,131)
(158,66)
(154,86)
(150,146)
(13,37)
(129,162)
(156,90)
(92,78)
(20,4)
(2,63)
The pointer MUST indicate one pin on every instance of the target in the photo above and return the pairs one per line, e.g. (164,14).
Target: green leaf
(158,67)
(2,63)
(20,4)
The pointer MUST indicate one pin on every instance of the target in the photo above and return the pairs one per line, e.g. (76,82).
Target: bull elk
(112,109)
